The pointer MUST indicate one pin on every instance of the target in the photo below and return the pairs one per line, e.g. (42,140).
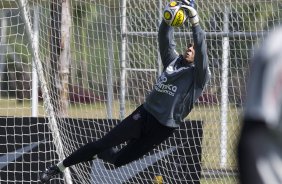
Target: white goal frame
(33,39)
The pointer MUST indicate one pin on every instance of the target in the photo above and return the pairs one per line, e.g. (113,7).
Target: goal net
(70,70)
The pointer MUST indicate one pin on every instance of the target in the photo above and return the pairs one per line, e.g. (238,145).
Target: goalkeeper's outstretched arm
(202,72)
(166,44)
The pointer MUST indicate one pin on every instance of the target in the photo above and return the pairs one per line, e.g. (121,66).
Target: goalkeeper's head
(189,53)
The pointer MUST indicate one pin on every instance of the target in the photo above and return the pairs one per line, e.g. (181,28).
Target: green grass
(224,180)
(209,114)
(12,107)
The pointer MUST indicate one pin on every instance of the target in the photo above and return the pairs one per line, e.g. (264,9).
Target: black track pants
(142,131)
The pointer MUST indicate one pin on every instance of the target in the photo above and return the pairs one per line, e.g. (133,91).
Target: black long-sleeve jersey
(180,83)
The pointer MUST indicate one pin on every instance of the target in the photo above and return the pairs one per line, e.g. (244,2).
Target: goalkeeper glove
(188,2)
(192,14)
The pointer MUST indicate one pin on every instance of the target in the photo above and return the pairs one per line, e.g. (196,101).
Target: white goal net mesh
(77,67)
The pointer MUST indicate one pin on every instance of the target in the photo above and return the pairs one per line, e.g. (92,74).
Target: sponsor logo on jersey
(163,87)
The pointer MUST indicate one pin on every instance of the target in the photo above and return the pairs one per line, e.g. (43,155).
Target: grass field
(209,114)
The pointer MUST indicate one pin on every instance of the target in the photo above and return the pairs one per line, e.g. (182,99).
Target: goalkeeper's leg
(129,128)
(136,148)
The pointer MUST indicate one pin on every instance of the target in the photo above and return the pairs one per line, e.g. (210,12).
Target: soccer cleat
(49,173)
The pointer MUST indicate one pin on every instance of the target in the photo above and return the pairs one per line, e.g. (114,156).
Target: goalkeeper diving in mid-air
(172,98)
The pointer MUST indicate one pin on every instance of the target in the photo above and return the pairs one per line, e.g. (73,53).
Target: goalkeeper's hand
(192,14)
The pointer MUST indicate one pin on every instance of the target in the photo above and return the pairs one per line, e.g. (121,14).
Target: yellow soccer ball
(174,15)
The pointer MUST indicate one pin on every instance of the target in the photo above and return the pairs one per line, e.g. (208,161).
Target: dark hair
(191,45)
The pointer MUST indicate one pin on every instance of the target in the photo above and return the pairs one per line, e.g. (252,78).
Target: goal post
(52,112)
(96,61)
